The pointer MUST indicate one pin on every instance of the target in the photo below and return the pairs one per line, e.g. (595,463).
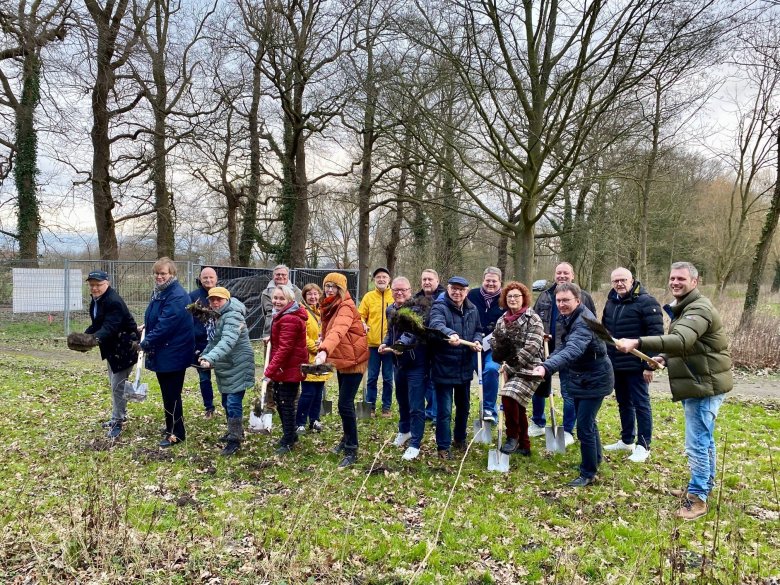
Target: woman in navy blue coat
(169,344)
(589,371)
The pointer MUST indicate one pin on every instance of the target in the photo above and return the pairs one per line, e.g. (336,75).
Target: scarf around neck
(489,297)
(159,288)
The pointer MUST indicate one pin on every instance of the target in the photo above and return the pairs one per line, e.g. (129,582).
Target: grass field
(76,509)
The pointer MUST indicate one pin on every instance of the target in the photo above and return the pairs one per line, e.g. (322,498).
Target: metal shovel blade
(483,432)
(554,440)
(498,461)
(136,393)
(363,410)
(326,408)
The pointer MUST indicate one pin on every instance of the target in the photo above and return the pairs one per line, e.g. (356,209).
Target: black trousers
(286,396)
(171,384)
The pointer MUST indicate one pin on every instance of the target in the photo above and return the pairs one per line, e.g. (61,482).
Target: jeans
(376,361)
(206,389)
(348,387)
(444,396)
(118,400)
(588,432)
(234,404)
(569,411)
(171,384)
(310,403)
(700,414)
(537,410)
(633,398)
(410,394)
(430,398)
(489,382)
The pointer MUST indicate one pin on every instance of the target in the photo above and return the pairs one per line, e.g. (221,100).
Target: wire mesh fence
(57,293)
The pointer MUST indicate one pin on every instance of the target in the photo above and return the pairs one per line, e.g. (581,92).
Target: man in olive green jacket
(697,356)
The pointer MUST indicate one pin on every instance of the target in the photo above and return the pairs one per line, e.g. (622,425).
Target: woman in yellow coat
(313,386)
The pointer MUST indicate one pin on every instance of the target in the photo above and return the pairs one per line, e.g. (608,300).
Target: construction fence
(58,293)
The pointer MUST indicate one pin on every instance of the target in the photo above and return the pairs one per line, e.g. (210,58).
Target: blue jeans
(539,399)
(633,398)
(348,387)
(206,389)
(410,394)
(234,404)
(588,433)
(309,403)
(700,414)
(569,410)
(489,382)
(444,396)
(376,361)
(430,398)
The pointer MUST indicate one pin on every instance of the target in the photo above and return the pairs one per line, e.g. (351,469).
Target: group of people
(427,346)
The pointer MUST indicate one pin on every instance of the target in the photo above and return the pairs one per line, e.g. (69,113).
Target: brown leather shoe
(692,508)
(386,414)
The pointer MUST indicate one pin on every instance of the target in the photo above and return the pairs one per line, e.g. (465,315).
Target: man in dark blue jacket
(430,288)
(485,299)
(207,280)
(116,331)
(456,319)
(547,309)
(631,312)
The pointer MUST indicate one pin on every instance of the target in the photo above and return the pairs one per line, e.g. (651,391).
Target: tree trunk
(523,252)
(762,251)
(300,223)
(162,196)
(776,279)
(249,223)
(391,250)
(26,169)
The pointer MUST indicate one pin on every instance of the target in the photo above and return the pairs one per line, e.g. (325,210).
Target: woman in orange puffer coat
(343,345)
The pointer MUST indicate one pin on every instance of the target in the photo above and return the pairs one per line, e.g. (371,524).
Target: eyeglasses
(565,301)
(329,286)
(399,290)
(620,281)
(512,297)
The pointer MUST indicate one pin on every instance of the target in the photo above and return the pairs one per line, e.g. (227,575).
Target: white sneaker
(568,439)
(401,438)
(410,453)
(619,446)
(301,430)
(534,430)
(640,455)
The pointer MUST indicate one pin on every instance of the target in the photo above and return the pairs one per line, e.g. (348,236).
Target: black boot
(350,457)
(510,446)
(285,403)
(234,437)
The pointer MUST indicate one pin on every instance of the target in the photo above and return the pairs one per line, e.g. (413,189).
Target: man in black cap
(373,311)
(115,331)
(456,319)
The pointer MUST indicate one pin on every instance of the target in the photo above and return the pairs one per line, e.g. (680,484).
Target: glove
(82,341)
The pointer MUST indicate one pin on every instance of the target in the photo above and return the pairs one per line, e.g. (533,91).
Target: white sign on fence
(42,290)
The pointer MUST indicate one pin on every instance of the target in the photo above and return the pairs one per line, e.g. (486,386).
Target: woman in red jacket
(344,345)
(288,352)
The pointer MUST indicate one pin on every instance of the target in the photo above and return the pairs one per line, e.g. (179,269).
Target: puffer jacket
(519,345)
(170,338)
(583,356)
(229,351)
(488,316)
(268,307)
(115,329)
(453,364)
(288,344)
(313,329)
(631,316)
(343,335)
(400,331)
(373,311)
(696,349)
(546,308)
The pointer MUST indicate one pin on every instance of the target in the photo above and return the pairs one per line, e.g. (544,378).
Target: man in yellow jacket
(373,311)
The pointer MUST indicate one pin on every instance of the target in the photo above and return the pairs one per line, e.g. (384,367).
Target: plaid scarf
(489,297)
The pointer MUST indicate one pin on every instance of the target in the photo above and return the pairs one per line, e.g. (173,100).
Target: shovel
(327,405)
(554,438)
(259,421)
(136,392)
(602,333)
(483,430)
(364,409)
(498,461)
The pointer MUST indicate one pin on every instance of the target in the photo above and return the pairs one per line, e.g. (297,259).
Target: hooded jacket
(453,364)
(288,344)
(696,349)
(170,339)
(373,311)
(343,335)
(229,351)
(583,356)
(631,316)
